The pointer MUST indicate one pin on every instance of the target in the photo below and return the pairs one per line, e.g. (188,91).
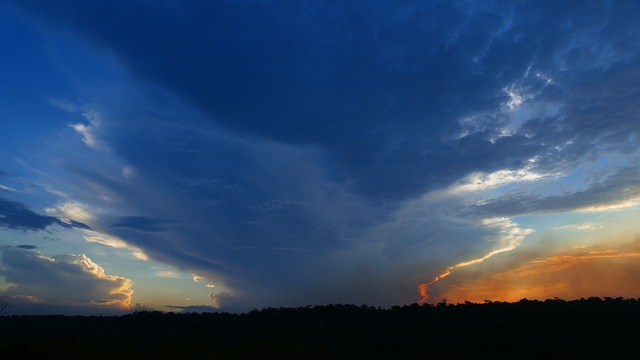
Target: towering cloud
(68,280)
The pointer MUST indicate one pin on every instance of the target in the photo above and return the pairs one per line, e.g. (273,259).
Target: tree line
(585,328)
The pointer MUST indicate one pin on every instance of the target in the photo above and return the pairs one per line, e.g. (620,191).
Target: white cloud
(585,226)
(88,131)
(65,106)
(7,188)
(480,181)
(200,279)
(71,211)
(114,242)
(510,234)
(168,274)
(613,206)
(128,172)
(516,99)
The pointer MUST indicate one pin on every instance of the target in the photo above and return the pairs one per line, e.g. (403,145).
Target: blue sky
(187,155)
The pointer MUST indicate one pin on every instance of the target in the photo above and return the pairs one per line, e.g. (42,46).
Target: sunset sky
(232,155)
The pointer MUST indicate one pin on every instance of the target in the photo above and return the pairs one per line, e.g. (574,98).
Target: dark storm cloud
(140,223)
(14,215)
(319,120)
(378,85)
(27,247)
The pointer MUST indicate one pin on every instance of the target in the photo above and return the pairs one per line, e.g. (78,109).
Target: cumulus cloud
(62,280)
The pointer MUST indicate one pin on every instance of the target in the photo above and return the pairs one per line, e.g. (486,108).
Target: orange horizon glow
(602,272)
(422,288)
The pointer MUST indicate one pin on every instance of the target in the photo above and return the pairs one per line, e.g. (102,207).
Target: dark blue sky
(241,154)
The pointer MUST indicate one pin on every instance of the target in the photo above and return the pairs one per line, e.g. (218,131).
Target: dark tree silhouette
(528,329)
(4,307)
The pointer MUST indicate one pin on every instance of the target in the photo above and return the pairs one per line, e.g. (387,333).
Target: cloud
(584,226)
(14,215)
(62,280)
(608,191)
(510,235)
(114,242)
(583,273)
(168,274)
(612,206)
(298,148)
(88,132)
(7,188)
(71,211)
(140,223)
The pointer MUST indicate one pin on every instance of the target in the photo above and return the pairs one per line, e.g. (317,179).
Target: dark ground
(591,328)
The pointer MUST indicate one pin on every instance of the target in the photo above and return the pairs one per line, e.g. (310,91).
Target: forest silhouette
(592,328)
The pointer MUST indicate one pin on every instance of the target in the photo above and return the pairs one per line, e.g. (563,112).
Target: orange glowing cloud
(510,236)
(582,273)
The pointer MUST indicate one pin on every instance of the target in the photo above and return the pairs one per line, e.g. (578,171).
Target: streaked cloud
(71,211)
(585,272)
(168,274)
(114,242)
(614,206)
(510,235)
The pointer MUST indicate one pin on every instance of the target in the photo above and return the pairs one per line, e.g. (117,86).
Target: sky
(233,155)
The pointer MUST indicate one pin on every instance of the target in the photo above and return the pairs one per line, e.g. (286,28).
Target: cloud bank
(294,153)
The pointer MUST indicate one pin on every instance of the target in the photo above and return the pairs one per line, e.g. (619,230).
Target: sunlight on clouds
(72,279)
(585,226)
(584,272)
(122,286)
(168,274)
(615,206)
(199,279)
(114,242)
(481,181)
(28,298)
(510,235)
(71,211)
